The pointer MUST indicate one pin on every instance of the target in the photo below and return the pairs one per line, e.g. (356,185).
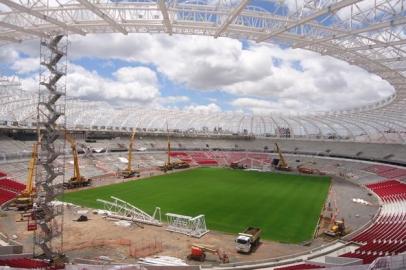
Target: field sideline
(285,206)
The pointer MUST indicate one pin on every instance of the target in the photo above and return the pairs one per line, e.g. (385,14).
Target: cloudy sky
(200,74)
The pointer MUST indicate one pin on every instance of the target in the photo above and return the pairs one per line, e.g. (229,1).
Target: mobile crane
(172,165)
(129,171)
(167,165)
(282,164)
(77,180)
(25,199)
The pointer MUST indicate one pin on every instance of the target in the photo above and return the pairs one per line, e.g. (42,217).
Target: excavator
(282,164)
(129,171)
(198,253)
(77,180)
(25,199)
(173,165)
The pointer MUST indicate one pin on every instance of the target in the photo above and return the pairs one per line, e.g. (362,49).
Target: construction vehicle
(307,170)
(337,229)
(129,171)
(248,239)
(25,199)
(77,180)
(168,166)
(180,164)
(198,253)
(236,165)
(282,165)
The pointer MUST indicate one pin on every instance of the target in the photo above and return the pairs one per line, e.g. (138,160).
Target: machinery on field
(129,171)
(307,170)
(198,253)
(236,165)
(168,166)
(25,199)
(77,180)
(248,239)
(337,229)
(282,165)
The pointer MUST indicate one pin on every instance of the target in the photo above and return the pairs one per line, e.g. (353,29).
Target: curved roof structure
(369,34)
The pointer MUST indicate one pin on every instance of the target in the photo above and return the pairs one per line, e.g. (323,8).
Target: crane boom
(129,171)
(130,151)
(282,162)
(29,187)
(169,149)
(77,180)
(72,142)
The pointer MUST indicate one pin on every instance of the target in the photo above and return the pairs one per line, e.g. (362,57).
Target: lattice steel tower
(51,120)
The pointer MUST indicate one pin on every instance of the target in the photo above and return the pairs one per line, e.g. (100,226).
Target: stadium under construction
(89,185)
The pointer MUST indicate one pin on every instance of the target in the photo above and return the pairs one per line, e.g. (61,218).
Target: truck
(248,239)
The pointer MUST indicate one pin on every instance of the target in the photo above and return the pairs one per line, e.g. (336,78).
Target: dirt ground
(102,237)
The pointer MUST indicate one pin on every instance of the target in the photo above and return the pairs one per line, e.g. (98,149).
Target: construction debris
(82,218)
(162,261)
(123,223)
(360,201)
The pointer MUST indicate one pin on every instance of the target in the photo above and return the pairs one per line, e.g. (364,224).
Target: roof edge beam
(373,46)
(165,14)
(93,8)
(41,16)
(313,16)
(374,27)
(12,39)
(231,17)
(21,29)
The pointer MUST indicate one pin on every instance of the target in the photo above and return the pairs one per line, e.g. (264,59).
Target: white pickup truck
(248,239)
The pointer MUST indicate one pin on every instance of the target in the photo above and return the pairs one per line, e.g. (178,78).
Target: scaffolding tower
(48,241)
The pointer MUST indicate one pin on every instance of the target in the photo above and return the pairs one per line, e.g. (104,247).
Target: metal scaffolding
(50,175)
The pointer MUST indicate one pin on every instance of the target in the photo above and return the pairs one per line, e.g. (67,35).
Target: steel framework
(51,109)
(191,226)
(123,210)
(369,34)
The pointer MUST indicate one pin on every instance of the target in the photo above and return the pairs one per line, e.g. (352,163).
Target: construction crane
(167,165)
(25,199)
(282,164)
(198,253)
(129,171)
(77,180)
(172,165)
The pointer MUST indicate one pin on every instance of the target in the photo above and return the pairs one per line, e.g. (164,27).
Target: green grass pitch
(285,206)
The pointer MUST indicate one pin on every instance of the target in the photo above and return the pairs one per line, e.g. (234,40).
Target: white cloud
(137,84)
(173,99)
(289,79)
(8,55)
(129,85)
(203,109)
(25,66)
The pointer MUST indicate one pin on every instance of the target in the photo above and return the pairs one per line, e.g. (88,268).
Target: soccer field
(286,207)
